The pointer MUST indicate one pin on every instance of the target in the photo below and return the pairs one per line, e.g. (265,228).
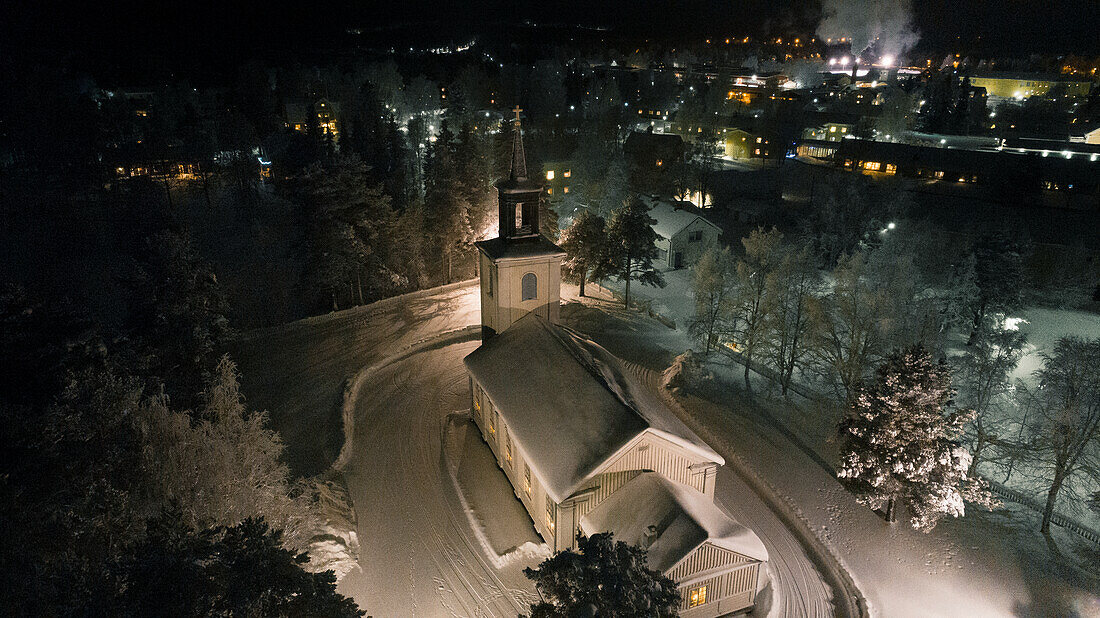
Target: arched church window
(529,287)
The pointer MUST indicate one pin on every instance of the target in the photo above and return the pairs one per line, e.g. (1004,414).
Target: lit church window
(529,287)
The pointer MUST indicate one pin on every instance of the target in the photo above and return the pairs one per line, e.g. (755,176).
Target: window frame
(697,596)
(534,287)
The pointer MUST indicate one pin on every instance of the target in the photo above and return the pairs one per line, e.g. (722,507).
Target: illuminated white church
(585,447)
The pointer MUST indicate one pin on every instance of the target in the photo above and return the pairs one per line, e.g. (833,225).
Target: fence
(1056,518)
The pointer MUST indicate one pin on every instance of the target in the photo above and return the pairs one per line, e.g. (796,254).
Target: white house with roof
(584,445)
(683,235)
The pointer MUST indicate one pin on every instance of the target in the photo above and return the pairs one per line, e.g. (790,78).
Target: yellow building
(1024,85)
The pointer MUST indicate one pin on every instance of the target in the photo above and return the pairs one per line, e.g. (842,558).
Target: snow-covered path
(798,587)
(297,371)
(419,556)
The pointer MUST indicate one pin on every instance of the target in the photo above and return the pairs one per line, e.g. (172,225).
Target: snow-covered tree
(901,442)
(855,330)
(794,291)
(583,242)
(712,284)
(177,315)
(750,303)
(1064,413)
(983,373)
(631,247)
(605,578)
(224,468)
(998,269)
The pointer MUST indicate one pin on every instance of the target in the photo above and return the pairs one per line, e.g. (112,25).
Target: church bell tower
(520,268)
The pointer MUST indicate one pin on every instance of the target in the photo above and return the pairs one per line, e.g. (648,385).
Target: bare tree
(712,285)
(794,319)
(984,375)
(855,328)
(1065,417)
(750,306)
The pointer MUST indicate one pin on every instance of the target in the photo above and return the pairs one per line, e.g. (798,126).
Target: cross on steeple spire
(519,160)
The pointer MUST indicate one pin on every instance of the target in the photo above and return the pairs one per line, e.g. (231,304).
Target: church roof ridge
(575,407)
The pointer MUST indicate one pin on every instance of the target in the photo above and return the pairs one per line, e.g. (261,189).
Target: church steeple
(520,269)
(519,159)
(518,196)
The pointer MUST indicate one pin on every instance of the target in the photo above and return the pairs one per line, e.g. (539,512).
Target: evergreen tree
(178,316)
(447,205)
(583,242)
(241,570)
(631,248)
(900,442)
(604,578)
(998,269)
(350,232)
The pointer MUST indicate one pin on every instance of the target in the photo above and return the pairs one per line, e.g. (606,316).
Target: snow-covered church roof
(568,403)
(683,517)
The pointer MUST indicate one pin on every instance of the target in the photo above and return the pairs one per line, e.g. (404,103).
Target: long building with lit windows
(1009,85)
(1072,168)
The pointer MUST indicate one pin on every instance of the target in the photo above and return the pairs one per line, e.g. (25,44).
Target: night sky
(139,37)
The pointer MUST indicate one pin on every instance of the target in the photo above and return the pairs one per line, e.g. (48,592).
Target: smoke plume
(886,26)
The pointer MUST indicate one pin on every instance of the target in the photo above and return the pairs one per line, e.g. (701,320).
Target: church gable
(651,451)
(706,558)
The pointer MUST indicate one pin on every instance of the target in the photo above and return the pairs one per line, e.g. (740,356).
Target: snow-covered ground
(421,555)
(297,372)
(986,564)
(1044,327)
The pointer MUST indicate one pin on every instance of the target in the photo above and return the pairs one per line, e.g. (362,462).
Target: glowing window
(493,421)
(549,190)
(759,139)
(660,162)
(549,514)
(567,173)
(527,479)
(697,596)
(549,174)
(843,129)
(891,168)
(565,189)
(832,129)
(529,287)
